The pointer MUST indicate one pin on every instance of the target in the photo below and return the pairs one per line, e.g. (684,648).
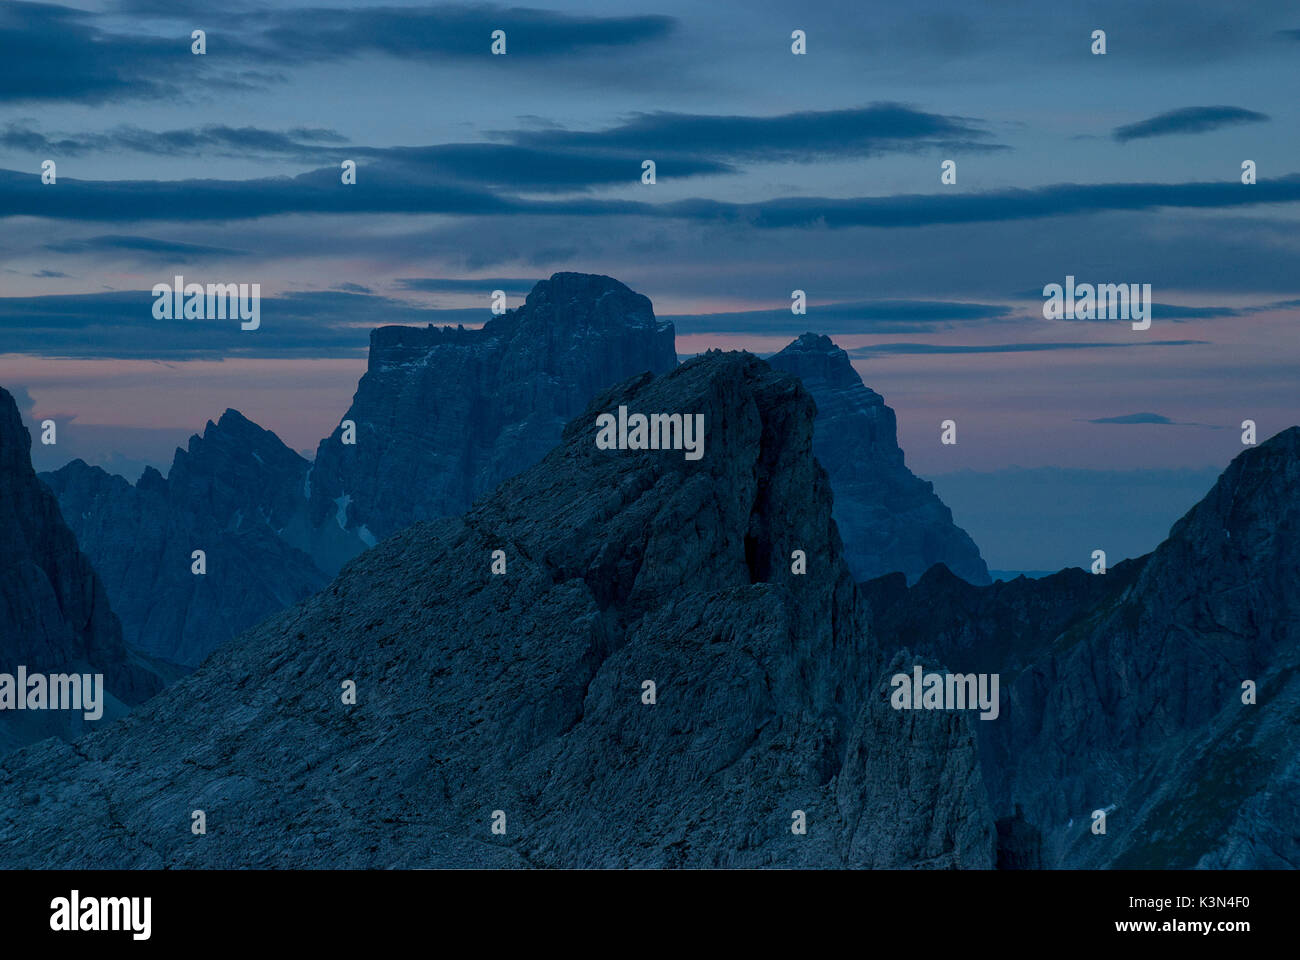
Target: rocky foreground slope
(1124,692)
(519,698)
(54,613)
(890,519)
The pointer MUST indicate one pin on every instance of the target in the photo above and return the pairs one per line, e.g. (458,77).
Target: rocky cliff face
(443,415)
(1124,692)
(54,613)
(520,698)
(890,519)
(232,494)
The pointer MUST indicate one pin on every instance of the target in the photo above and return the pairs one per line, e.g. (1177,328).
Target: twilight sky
(774,172)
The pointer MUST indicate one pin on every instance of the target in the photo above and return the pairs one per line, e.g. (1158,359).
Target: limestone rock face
(442,416)
(54,613)
(890,519)
(445,414)
(525,692)
(1123,692)
(236,494)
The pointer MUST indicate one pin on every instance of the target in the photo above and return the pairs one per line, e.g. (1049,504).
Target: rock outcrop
(445,414)
(1126,692)
(237,495)
(54,614)
(648,683)
(890,519)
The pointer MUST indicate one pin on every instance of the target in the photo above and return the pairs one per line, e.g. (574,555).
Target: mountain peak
(569,285)
(56,615)
(890,519)
(15,440)
(444,414)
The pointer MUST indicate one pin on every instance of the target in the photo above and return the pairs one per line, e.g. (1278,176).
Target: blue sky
(774,172)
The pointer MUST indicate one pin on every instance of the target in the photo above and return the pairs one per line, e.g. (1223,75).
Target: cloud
(494,165)
(1149,419)
(160,251)
(210,139)
(60,53)
(882,316)
(1176,312)
(122,325)
(319,191)
(804,136)
(475,285)
(439,32)
(915,210)
(879,349)
(517,168)
(1187,120)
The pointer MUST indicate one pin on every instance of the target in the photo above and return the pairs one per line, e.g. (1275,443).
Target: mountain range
(440,418)
(555,654)
(520,697)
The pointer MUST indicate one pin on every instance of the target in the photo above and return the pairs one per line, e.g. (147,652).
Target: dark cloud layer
(122,325)
(57,53)
(806,135)
(475,285)
(880,349)
(389,191)
(1187,120)
(208,140)
(886,316)
(1134,418)
(143,248)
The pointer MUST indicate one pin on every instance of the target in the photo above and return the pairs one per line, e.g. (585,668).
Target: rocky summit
(1164,693)
(612,660)
(891,520)
(235,494)
(442,414)
(55,617)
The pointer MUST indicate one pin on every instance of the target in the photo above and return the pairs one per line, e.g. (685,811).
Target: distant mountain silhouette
(236,494)
(890,519)
(444,414)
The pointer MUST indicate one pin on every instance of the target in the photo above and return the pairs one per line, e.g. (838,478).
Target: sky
(774,172)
